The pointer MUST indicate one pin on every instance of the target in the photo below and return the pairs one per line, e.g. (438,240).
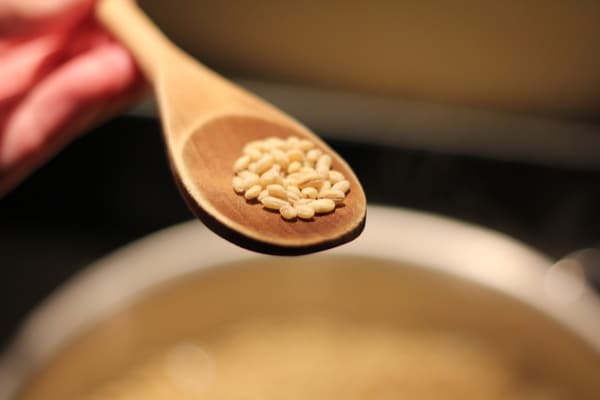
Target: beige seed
(253,152)
(336,176)
(293,196)
(322,206)
(324,165)
(313,155)
(263,194)
(272,142)
(280,158)
(294,166)
(253,192)
(336,195)
(310,192)
(295,155)
(343,186)
(304,211)
(277,191)
(250,181)
(288,212)
(238,184)
(264,163)
(302,202)
(273,203)
(305,145)
(280,181)
(270,177)
(285,145)
(310,179)
(245,173)
(325,186)
(241,163)
(293,188)
(293,179)
(293,141)
(281,172)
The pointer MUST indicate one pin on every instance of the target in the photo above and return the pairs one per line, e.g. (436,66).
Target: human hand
(60,73)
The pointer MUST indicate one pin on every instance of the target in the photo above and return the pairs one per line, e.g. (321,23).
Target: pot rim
(429,241)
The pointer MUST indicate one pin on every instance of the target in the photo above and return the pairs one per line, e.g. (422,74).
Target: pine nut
(285,172)
(280,158)
(277,191)
(295,155)
(288,212)
(310,192)
(303,202)
(336,195)
(279,180)
(273,203)
(335,176)
(343,186)
(269,177)
(241,163)
(292,196)
(324,187)
(304,211)
(313,155)
(294,166)
(272,143)
(324,165)
(295,189)
(263,194)
(264,163)
(253,153)
(293,141)
(253,192)
(305,145)
(238,184)
(322,206)
(250,181)
(310,179)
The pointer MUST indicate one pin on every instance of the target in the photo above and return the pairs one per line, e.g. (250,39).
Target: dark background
(113,186)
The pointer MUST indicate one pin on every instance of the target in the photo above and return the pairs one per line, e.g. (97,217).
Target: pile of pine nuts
(291,176)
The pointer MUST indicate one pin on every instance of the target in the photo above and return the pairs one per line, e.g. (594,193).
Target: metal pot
(417,269)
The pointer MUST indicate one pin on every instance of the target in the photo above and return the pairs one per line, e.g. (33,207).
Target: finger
(21,66)
(18,17)
(70,99)
(25,64)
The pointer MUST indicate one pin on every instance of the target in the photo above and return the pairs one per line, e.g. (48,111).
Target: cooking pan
(420,271)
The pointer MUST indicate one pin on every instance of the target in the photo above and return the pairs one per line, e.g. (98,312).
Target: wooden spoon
(206,122)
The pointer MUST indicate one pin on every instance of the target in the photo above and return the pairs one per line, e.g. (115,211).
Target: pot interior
(320,327)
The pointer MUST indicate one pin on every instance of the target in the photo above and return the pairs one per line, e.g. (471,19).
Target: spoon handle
(128,23)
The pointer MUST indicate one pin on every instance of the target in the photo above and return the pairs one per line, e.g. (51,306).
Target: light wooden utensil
(206,122)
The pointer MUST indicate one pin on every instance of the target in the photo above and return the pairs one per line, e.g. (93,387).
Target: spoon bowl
(206,121)
(207,186)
